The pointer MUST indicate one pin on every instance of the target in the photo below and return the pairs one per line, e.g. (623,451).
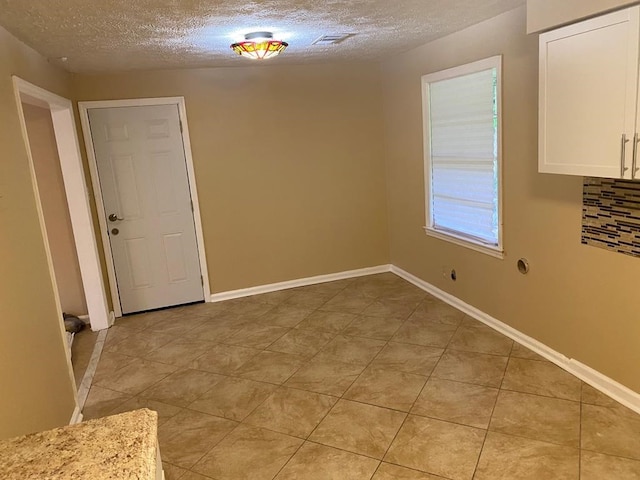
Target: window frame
(430,230)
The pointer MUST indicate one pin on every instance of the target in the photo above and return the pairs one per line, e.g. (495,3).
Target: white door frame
(77,197)
(84,108)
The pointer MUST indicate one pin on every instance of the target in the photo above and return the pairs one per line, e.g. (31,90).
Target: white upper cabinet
(588,115)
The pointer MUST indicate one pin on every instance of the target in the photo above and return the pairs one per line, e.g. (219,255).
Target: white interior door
(145,191)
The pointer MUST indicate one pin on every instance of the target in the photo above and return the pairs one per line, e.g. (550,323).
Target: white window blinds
(463,156)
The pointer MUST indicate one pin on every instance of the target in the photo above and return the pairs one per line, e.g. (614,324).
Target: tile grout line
(637,460)
(341,397)
(379,352)
(404,420)
(241,422)
(289,459)
(355,380)
(523,436)
(493,409)
(306,439)
(434,367)
(211,449)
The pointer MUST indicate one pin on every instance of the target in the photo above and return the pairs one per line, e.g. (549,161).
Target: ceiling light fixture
(259,46)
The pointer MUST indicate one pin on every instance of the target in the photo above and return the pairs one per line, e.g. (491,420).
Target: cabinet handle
(634,169)
(623,154)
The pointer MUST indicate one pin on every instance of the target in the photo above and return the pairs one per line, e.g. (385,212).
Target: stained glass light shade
(259,46)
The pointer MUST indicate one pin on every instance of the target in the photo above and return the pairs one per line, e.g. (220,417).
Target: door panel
(138,262)
(145,190)
(126,185)
(174,256)
(158,129)
(114,132)
(588,91)
(164,190)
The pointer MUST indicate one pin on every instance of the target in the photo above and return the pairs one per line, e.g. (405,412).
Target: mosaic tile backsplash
(611,215)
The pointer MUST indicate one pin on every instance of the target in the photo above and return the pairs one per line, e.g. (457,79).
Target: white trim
(463,242)
(76,417)
(186,141)
(606,385)
(301,282)
(469,68)
(597,380)
(76,192)
(92,366)
(84,108)
(97,193)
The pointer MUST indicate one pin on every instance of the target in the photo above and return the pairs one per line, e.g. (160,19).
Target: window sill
(496,252)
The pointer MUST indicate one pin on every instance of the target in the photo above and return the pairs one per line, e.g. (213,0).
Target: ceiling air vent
(332,39)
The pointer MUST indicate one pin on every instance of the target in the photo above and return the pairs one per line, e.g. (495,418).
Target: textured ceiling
(117,35)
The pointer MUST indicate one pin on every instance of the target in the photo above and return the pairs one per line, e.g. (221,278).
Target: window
(461,108)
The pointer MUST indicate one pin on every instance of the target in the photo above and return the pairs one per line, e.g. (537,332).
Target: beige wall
(37,388)
(546,14)
(46,162)
(288,161)
(577,299)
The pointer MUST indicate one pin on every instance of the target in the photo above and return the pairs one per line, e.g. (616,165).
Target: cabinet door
(588,93)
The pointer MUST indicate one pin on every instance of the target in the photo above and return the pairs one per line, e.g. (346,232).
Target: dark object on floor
(72,324)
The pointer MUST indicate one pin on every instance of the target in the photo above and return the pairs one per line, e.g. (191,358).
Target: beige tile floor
(368,378)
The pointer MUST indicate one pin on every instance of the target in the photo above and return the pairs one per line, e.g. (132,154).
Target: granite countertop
(121,447)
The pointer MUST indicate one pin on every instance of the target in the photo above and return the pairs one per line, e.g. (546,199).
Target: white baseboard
(597,380)
(301,282)
(606,385)
(76,417)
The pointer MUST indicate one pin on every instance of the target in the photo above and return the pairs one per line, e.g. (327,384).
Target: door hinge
(201,280)
(181,130)
(191,202)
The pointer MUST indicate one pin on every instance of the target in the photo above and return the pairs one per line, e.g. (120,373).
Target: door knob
(114,217)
